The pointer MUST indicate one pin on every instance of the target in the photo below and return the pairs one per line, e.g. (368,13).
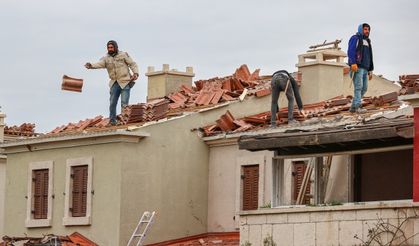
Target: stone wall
(332,225)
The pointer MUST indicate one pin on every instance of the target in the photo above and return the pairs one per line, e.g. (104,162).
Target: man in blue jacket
(361,63)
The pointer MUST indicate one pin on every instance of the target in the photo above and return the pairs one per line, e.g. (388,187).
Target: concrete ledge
(344,207)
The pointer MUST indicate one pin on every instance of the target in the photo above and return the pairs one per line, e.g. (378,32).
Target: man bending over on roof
(281,81)
(118,64)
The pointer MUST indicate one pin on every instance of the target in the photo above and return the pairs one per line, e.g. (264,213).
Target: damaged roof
(325,127)
(24,130)
(205,94)
(335,106)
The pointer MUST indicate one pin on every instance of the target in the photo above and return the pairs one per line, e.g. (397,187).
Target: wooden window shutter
(79,190)
(250,187)
(299,169)
(40,193)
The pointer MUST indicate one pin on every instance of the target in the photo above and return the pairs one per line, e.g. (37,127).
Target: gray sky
(43,40)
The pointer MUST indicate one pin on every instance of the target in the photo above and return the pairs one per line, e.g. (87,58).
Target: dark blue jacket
(359,53)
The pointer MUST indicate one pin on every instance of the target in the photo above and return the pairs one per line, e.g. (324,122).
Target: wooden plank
(310,139)
(327,167)
(305,182)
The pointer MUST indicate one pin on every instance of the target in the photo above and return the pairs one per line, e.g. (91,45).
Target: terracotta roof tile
(71,84)
(242,73)
(226,122)
(263,92)
(217,96)
(383,99)
(209,239)
(26,129)
(409,83)
(255,75)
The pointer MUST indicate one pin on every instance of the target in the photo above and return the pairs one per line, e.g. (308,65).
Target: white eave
(73,140)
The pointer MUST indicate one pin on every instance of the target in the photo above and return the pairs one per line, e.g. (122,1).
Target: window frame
(68,219)
(246,161)
(30,220)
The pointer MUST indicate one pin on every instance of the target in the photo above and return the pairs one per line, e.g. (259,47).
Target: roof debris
(205,93)
(216,90)
(26,129)
(337,105)
(75,239)
(154,110)
(409,83)
(210,92)
(209,239)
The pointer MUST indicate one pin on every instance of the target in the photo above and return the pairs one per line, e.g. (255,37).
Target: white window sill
(72,221)
(38,223)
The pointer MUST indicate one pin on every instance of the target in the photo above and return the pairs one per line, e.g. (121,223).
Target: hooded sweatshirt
(360,50)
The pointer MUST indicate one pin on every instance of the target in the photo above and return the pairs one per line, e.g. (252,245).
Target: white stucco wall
(105,202)
(339,180)
(224,201)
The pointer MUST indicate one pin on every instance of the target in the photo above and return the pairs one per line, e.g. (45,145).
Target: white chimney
(162,83)
(322,74)
(2,116)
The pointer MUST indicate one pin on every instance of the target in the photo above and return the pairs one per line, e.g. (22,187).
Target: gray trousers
(278,83)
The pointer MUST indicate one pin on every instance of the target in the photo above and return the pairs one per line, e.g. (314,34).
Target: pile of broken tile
(209,239)
(216,90)
(26,129)
(134,113)
(227,123)
(143,112)
(97,122)
(409,83)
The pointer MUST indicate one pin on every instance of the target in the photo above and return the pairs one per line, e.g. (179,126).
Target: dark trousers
(278,83)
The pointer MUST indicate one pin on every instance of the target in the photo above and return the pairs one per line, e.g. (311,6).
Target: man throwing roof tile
(283,81)
(119,65)
(361,63)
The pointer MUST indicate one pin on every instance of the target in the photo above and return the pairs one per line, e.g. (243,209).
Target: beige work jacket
(118,67)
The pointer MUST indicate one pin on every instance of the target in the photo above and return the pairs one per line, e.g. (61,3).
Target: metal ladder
(142,228)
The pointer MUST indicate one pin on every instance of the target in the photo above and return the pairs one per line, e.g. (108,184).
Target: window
(250,182)
(40,193)
(79,190)
(250,187)
(39,204)
(78,198)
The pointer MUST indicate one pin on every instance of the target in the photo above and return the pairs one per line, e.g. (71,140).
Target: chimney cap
(166,70)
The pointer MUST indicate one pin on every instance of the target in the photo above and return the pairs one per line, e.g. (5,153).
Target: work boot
(352,110)
(113,123)
(361,111)
(293,122)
